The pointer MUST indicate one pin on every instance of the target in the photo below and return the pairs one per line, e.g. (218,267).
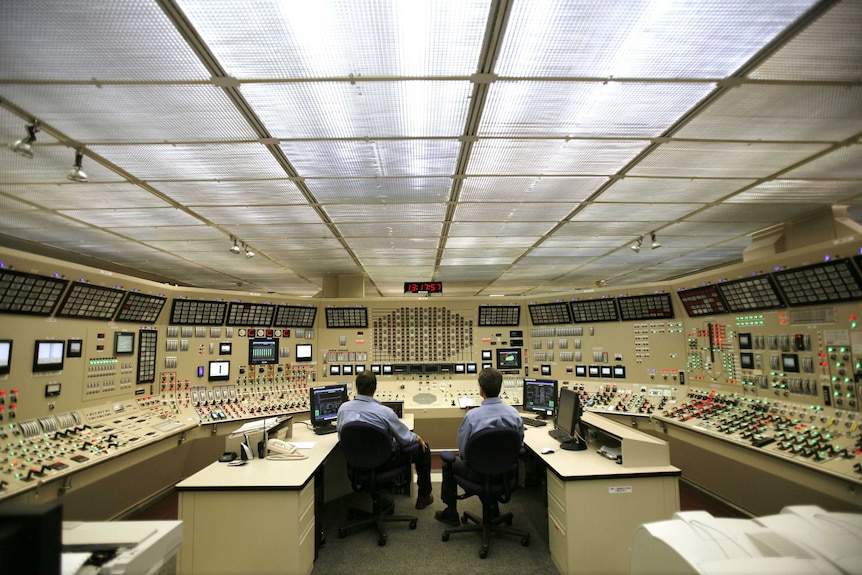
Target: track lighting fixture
(76,174)
(248,253)
(636,247)
(234,249)
(24,146)
(655,242)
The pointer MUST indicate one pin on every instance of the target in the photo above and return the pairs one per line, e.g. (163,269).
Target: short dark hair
(366,383)
(491,381)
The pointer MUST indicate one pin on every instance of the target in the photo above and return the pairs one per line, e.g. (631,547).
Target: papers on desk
(304,444)
(466,402)
(256,425)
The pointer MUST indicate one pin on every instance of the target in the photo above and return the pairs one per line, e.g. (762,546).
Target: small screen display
(48,355)
(790,362)
(508,359)
(262,351)
(5,355)
(746,360)
(219,370)
(303,352)
(124,343)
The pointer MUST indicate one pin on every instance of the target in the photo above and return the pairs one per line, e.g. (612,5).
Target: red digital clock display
(423,287)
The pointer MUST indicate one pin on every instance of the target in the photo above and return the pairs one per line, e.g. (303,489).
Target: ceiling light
(248,253)
(24,146)
(235,248)
(76,174)
(655,243)
(637,245)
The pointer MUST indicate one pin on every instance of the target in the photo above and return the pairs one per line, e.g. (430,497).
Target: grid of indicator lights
(828,282)
(141,307)
(250,314)
(655,306)
(197,312)
(594,310)
(25,293)
(499,315)
(550,313)
(147,356)
(91,302)
(750,294)
(702,301)
(420,334)
(346,317)
(294,316)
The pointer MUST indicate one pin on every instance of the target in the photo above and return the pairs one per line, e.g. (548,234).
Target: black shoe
(424,501)
(448,516)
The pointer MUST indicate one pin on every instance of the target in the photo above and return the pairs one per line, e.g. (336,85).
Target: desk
(595,504)
(258,517)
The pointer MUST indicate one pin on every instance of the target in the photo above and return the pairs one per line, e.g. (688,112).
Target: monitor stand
(575,444)
(325,429)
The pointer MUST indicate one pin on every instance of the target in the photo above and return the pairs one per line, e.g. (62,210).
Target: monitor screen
(5,355)
(540,396)
(471,368)
(509,358)
(219,370)
(568,419)
(48,355)
(325,401)
(303,352)
(124,343)
(262,351)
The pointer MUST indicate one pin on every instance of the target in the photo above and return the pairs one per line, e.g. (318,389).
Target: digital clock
(423,287)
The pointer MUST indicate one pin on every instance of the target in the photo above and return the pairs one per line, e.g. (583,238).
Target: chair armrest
(411,447)
(447,456)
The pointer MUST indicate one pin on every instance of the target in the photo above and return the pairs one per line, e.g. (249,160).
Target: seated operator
(492,413)
(366,409)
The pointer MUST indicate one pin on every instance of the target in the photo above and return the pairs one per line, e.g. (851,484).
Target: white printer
(801,540)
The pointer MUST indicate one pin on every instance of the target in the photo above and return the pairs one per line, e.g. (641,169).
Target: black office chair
(367,450)
(492,455)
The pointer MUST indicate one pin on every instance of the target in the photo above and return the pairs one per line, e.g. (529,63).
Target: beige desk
(257,518)
(595,504)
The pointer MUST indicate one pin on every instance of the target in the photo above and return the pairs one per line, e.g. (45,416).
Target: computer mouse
(547,450)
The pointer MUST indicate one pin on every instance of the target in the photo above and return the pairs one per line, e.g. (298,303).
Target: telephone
(279,449)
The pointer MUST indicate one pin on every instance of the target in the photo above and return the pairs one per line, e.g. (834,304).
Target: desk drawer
(557,542)
(557,490)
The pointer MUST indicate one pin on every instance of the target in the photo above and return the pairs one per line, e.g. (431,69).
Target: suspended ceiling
(517,147)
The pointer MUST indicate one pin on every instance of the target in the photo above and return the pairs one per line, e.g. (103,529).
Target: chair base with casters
(488,524)
(377,518)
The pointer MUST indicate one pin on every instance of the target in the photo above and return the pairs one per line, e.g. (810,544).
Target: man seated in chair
(492,413)
(366,409)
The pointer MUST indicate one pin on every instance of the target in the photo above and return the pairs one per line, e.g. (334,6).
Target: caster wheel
(381,541)
(525,541)
(412,525)
(464,519)
(445,537)
(483,553)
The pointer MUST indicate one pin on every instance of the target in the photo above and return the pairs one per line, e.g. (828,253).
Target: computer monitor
(31,538)
(540,396)
(509,358)
(568,420)
(325,401)
(262,351)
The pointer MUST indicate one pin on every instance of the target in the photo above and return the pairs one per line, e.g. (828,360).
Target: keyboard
(325,430)
(559,435)
(533,422)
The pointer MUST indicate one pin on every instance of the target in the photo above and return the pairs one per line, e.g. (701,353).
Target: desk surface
(587,464)
(265,474)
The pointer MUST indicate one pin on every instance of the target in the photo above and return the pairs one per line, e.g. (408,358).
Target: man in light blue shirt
(366,409)
(491,414)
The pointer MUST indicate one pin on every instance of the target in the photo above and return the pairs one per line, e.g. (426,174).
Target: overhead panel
(554,157)
(529,189)
(671,190)
(373,158)
(379,190)
(231,193)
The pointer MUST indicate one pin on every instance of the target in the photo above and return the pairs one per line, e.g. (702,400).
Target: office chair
(492,454)
(366,449)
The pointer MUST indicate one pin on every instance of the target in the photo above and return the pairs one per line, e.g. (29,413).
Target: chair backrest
(493,451)
(365,446)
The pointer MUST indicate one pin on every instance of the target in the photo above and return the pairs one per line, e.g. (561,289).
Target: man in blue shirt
(366,409)
(492,413)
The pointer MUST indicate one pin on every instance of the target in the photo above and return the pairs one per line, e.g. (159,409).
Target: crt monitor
(540,396)
(325,401)
(509,358)
(568,420)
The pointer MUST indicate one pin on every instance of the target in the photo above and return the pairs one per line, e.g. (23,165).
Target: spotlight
(76,174)
(636,247)
(23,146)
(248,253)
(234,248)
(655,243)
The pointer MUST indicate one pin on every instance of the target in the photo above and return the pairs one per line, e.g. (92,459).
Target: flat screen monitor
(262,351)
(219,370)
(509,358)
(540,396)
(5,355)
(124,343)
(568,420)
(471,368)
(303,352)
(31,538)
(48,355)
(325,401)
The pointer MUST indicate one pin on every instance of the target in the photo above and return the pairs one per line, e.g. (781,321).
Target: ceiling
(513,147)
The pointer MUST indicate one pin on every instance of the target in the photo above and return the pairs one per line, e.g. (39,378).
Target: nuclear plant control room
(645,215)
